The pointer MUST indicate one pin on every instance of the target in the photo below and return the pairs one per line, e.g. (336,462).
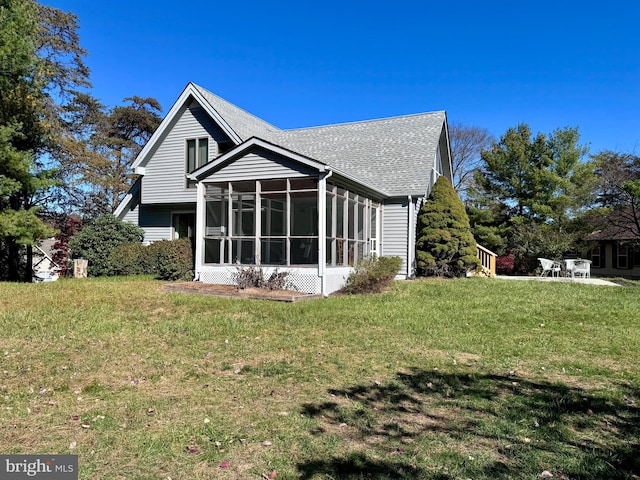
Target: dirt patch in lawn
(235,292)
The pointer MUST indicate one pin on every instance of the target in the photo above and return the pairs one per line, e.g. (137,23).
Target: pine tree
(445,246)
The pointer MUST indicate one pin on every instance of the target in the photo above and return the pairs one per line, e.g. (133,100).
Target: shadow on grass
(434,425)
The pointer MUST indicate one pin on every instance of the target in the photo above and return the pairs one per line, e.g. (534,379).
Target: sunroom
(294,215)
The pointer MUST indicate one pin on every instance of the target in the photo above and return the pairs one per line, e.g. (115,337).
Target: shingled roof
(395,155)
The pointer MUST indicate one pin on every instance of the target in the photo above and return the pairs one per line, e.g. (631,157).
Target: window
(275,222)
(349,226)
(596,258)
(197,156)
(269,222)
(623,256)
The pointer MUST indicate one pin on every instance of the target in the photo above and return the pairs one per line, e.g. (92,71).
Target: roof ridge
(372,120)
(233,105)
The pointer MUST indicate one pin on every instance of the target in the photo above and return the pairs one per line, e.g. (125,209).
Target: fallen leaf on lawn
(267,443)
(191,449)
(546,474)
(72,445)
(75,417)
(273,475)
(225,464)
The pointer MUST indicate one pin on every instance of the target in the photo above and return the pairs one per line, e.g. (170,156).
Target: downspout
(322,231)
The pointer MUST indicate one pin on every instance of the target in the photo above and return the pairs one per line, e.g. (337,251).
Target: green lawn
(470,378)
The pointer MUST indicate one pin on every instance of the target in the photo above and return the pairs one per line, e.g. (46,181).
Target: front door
(184,226)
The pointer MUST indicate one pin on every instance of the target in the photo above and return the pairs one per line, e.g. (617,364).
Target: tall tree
(98,147)
(618,193)
(529,186)
(118,140)
(467,143)
(23,134)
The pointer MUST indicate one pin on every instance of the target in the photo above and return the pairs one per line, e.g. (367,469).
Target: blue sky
(295,64)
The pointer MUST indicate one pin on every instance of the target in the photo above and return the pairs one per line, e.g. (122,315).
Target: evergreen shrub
(445,246)
(99,239)
(174,259)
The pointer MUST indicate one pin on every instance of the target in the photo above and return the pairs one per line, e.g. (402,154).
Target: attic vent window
(197,156)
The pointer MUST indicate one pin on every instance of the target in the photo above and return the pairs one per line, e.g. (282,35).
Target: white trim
(200,228)
(411,240)
(120,211)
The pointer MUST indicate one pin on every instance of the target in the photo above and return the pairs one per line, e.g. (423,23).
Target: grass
(470,378)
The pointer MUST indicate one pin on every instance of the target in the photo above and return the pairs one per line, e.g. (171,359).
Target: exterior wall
(156,219)
(395,231)
(610,269)
(132,215)
(164,180)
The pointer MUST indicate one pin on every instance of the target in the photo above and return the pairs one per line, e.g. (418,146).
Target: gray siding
(395,228)
(156,220)
(164,179)
(260,164)
(132,215)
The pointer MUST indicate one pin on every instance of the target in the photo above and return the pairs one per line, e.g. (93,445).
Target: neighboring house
(311,201)
(44,268)
(615,252)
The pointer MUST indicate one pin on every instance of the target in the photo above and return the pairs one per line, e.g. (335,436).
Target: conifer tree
(445,245)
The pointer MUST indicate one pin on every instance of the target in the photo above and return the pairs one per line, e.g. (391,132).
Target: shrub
(372,275)
(174,259)
(134,259)
(254,277)
(97,241)
(445,245)
(505,263)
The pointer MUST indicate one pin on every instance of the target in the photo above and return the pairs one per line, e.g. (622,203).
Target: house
(43,266)
(309,201)
(615,251)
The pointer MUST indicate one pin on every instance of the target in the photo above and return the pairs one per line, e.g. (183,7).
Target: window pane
(213,251)
(191,155)
(360,221)
(374,220)
(273,185)
(242,251)
(203,151)
(304,214)
(330,251)
(274,214)
(352,219)
(304,251)
(243,214)
(303,183)
(340,217)
(273,251)
(329,209)
(216,189)
(216,221)
(243,186)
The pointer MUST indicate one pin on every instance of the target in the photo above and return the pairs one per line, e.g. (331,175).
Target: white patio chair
(549,266)
(582,269)
(570,265)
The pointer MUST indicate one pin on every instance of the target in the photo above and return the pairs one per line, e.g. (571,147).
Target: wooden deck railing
(488,260)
